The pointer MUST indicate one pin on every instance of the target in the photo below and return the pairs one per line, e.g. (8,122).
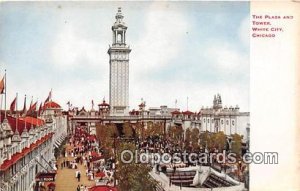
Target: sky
(184,51)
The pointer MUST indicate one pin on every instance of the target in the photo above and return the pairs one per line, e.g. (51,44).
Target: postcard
(149,95)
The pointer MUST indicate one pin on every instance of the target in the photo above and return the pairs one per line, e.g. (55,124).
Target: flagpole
(187,103)
(16,103)
(31,111)
(36,105)
(1,108)
(5,95)
(17,117)
(25,128)
(24,108)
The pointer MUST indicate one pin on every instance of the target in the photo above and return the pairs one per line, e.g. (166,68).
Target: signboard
(45,177)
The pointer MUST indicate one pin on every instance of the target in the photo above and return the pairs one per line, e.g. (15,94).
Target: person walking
(78,176)
(78,188)
(76,173)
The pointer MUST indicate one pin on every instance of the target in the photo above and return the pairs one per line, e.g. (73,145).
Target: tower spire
(16,137)
(119,15)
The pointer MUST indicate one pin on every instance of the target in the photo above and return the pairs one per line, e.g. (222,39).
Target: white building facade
(230,120)
(23,155)
(52,113)
(27,147)
(119,68)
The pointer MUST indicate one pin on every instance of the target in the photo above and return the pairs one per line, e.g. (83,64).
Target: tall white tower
(119,68)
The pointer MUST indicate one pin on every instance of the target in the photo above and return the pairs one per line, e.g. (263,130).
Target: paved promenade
(65,178)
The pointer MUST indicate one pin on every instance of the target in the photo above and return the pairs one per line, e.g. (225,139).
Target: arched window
(232,122)
(119,38)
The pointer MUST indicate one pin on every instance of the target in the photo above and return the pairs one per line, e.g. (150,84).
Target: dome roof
(51,105)
(176,112)
(103,103)
(187,112)
(30,121)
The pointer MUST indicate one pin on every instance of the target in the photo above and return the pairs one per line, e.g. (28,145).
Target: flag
(24,107)
(32,107)
(49,97)
(2,86)
(13,105)
(40,109)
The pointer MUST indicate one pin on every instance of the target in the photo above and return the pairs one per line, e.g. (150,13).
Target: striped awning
(59,141)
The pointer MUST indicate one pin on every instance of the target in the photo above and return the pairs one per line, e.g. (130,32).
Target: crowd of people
(161,145)
(82,150)
(81,188)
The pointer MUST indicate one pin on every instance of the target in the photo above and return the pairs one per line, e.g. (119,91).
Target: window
(207,120)
(204,120)
(227,122)
(222,122)
(232,122)
(119,39)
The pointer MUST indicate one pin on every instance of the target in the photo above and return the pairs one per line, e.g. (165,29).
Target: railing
(159,187)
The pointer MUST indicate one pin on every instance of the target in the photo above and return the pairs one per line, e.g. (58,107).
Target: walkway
(65,178)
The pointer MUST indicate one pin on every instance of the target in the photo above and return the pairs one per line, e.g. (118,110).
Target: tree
(154,129)
(187,139)
(195,138)
(149,129)
(220,140)
(133,176)
(139,130)
(176,133)
(105,135)
(127,130)
(236,144)
(101,133)
(113,131)
(205,140)
(158,129)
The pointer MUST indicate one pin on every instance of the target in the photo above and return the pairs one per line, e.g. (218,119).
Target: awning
(59,141)
(56,145)
(52,185)
(45,177)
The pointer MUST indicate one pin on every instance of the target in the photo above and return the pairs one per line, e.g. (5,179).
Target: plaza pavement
(65,178)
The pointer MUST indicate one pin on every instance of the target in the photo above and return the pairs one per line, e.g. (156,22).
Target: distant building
(217,118)
(230,120)
(119,68)
(52,114)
